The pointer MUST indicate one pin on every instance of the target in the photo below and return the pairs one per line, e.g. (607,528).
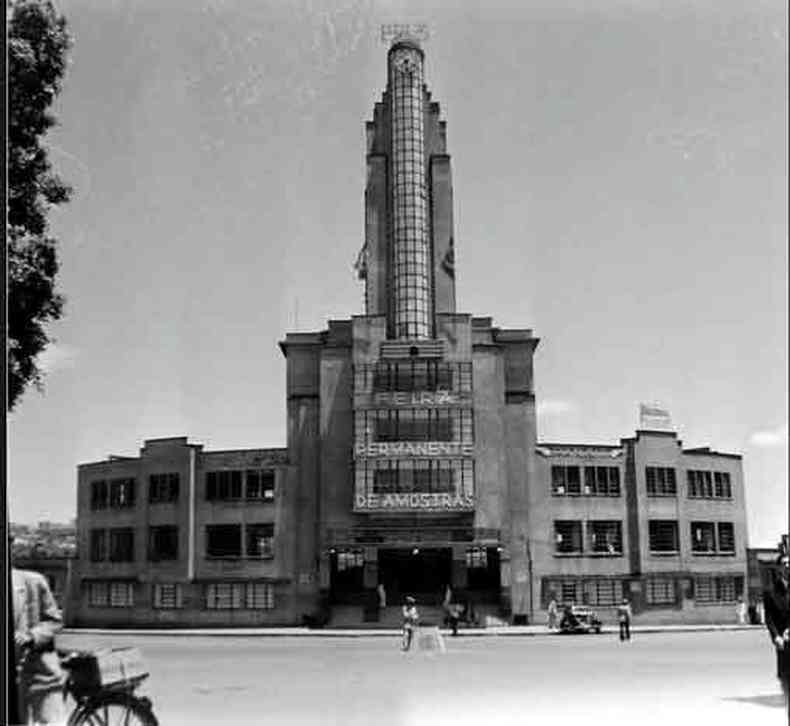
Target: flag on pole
(448,263)
(361,265)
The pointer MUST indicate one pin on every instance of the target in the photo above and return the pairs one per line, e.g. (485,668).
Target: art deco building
(412,461)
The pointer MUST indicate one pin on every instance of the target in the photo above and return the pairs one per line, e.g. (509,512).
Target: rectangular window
(163,543)
(660,481)
(121,594)
(663,536)
(718,589)
(99,494)
(574,480)
(569,591)
(726,531)
(709,485)
(416,375)
(603,592)
(163,487)
(225,596)
(223,485)
(260,540)
(568,537)
(703,538)
(223,540)
(350,560)
(705,589)
(601,481)
(605,537)
(168,596)
(660,591)
(122,493)
(260,485)
(559,484)
(98,594)
(122,544)
(477,558)
(260,596)
(98,545)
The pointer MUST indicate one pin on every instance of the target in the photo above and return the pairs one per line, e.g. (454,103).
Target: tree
(37,45)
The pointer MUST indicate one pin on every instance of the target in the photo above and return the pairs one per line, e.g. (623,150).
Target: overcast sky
(620,178)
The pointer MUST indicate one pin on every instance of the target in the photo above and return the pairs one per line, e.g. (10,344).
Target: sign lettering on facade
(414,448)
(414,501)
(420,398)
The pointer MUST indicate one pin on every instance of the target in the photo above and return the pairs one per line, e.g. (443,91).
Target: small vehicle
(578,620)
(103,685)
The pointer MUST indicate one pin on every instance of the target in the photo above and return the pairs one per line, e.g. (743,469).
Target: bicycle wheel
(114,709)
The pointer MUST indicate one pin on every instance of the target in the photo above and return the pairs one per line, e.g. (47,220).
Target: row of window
(413,376)
(660,482)
(605,537)
(476,558)
(661,590)
(251,484)
(601,481)
(709,485)
(414,424)
(170,596)
(706,537)
(418,476)
(222,540)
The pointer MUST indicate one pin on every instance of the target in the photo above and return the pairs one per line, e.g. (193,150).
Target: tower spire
(408,197)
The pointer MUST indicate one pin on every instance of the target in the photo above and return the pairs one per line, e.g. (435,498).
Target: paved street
(667,678)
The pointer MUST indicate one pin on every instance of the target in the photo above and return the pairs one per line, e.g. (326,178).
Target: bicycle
(100,703)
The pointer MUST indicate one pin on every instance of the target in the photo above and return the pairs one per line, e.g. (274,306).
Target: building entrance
(422,573)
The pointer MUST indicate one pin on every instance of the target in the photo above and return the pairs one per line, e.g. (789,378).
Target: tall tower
(408,253)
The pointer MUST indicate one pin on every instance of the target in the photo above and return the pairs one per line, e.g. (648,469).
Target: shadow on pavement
(772,700)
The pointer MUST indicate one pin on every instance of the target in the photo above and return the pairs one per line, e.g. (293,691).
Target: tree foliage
(38,42)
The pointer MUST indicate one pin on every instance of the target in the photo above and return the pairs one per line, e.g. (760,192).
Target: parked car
(577,619)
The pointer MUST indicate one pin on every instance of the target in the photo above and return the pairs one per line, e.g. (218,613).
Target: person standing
(760,608)
(624,615)
(40,677)
(410,620)
(454,613)
(777,621)
(553,614)
(740,611)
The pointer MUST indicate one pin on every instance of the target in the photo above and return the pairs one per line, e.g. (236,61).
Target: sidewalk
(510,630)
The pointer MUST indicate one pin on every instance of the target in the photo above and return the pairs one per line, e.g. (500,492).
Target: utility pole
(529,572)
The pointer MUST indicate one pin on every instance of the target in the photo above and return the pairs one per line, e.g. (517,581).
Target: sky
(620,182)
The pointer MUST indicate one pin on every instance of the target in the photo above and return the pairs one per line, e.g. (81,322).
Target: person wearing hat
(410,619)
(776,601)
(624,615)
(37,619)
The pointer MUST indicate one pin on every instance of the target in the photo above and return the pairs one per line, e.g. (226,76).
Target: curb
(511,632)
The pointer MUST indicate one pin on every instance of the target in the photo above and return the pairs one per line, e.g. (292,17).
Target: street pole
(529,570)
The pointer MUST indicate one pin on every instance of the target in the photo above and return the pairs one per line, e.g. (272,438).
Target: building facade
(412,461)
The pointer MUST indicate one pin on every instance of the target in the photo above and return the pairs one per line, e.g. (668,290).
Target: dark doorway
(423,573)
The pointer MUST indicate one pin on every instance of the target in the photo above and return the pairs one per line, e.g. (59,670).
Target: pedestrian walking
(760,607)
(411,619)
(40,677)
(382,593)
(553,610)
(777,620)
(740,611)
(624,615)
(454,611)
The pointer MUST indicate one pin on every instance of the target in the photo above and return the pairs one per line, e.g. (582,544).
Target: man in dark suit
(777,619)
